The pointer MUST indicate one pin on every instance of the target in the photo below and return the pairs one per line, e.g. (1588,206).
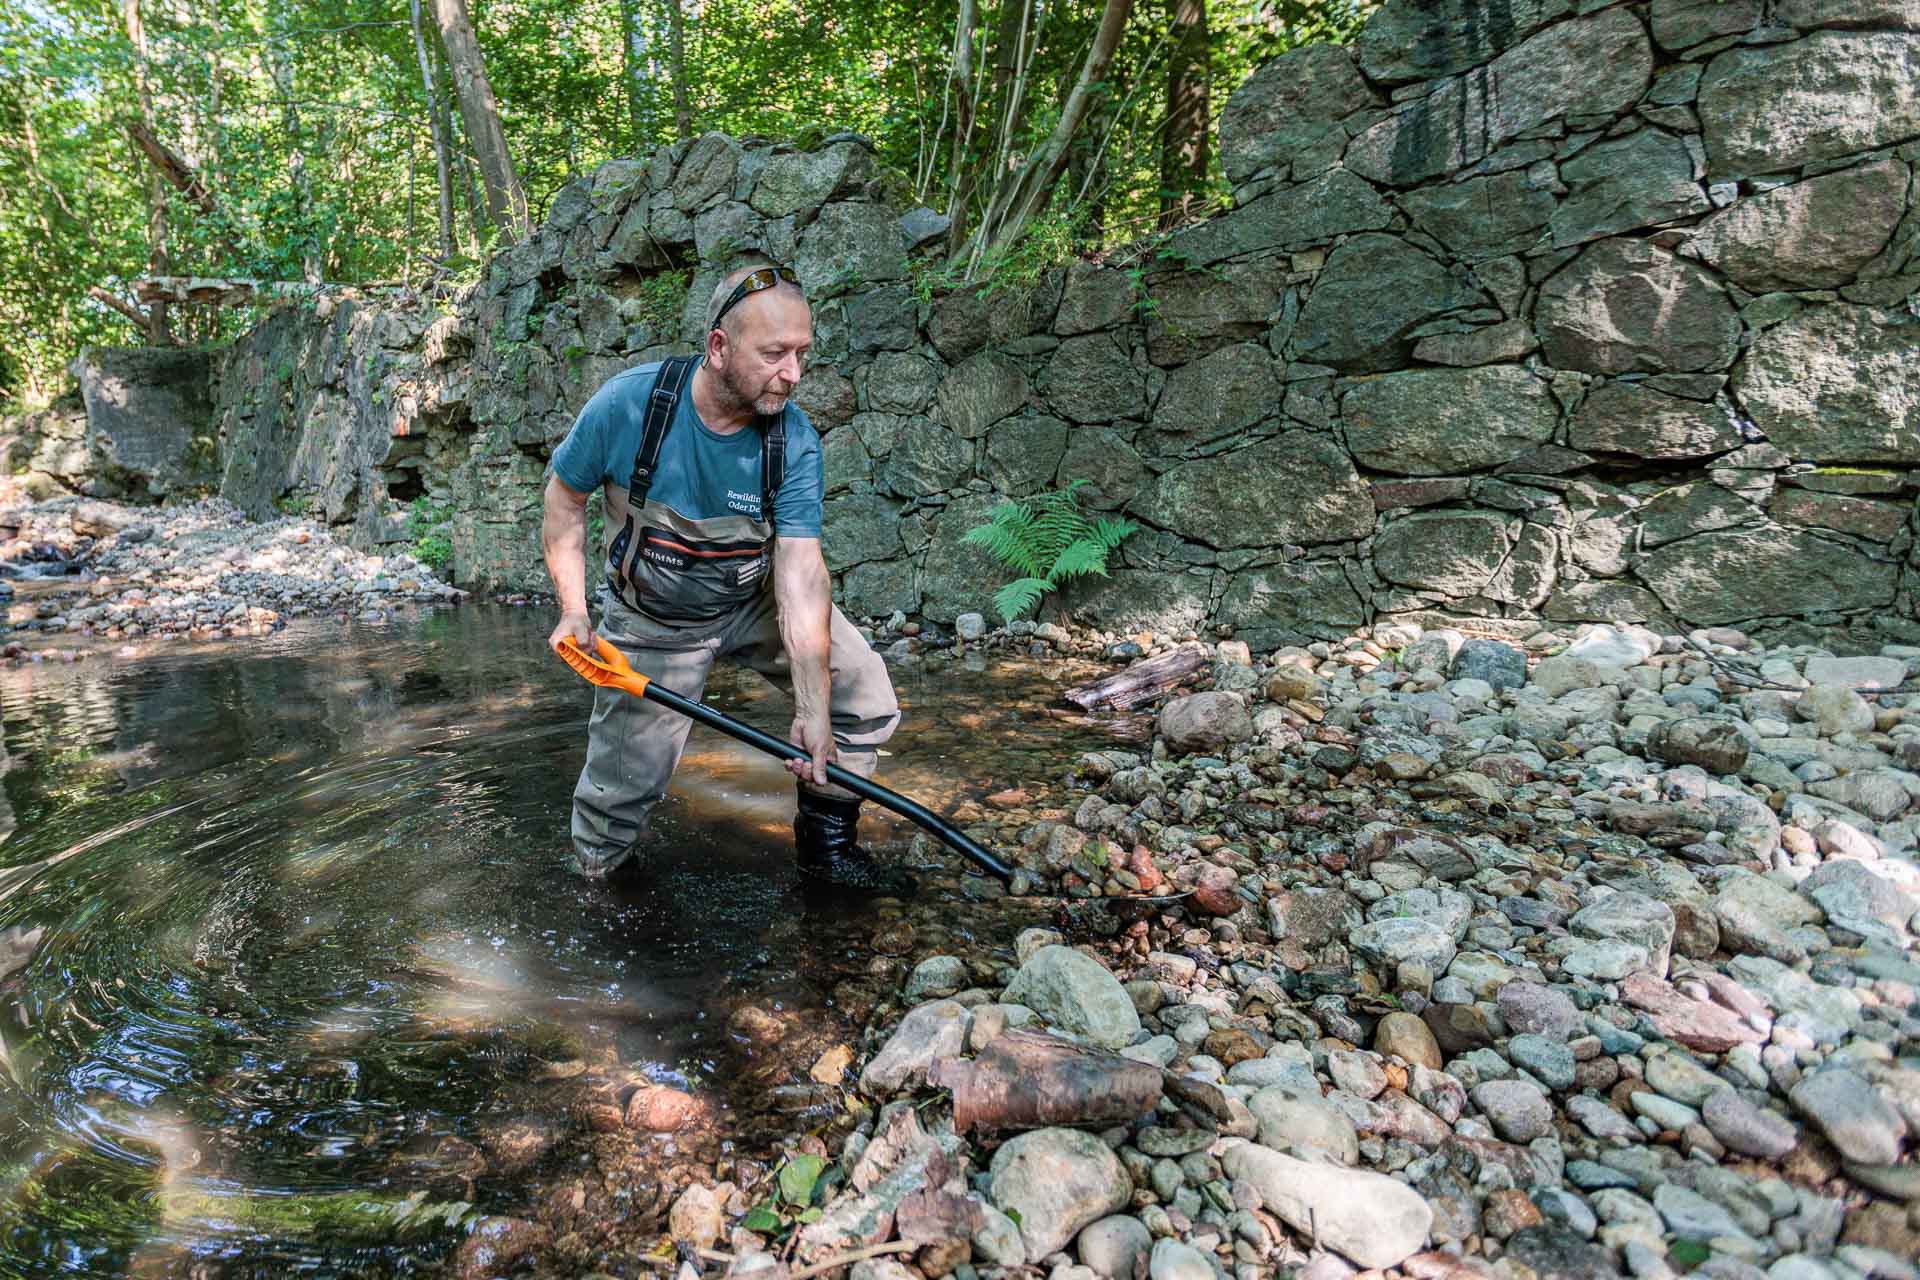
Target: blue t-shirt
(702,475)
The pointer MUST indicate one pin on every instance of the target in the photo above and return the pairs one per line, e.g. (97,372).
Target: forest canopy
(377,141)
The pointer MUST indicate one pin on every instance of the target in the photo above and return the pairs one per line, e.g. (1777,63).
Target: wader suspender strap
(662,400)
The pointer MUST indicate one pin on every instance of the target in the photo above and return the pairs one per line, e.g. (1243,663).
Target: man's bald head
(730,323)
(757,351)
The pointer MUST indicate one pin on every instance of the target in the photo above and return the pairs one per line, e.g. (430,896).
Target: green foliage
(1052,240)
(309,125)
(1688,1254)
(1048,540)
(428,524)
(659,298)
(802,1186)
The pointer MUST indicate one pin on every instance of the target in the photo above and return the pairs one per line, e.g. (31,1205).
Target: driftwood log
(1142,682)
(1029,1080)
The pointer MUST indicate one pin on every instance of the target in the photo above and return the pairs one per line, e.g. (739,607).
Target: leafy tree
(305,130)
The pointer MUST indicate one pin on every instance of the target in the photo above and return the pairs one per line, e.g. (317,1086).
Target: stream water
(289,954)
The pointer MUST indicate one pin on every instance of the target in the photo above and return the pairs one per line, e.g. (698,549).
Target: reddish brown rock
(1139,865)
(1693,1023)
(1213,891)
(1508,1210)
(658,1109)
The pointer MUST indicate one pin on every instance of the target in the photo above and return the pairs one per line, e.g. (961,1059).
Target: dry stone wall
(1525,309)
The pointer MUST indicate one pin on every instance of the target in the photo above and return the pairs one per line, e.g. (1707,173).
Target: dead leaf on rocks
(830,1068)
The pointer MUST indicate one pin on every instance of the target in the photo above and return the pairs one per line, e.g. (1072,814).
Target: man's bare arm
(803,594)
(563,537)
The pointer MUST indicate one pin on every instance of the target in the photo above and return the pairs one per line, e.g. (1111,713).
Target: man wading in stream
(711,477)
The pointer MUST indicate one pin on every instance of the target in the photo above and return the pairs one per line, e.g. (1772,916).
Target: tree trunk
(1015,37)
(159,329)
(637,60)
(966,95)
(682,112)
(280,70)
(1026,194)
(442,170)
(1183,148)
(506,198)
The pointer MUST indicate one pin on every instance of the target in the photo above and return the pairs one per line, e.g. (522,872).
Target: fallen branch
(1142,682)
(119,304)
(852,1256)
(229,291)
(179,173)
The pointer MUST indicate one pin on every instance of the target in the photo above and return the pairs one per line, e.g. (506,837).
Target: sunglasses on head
(755,281)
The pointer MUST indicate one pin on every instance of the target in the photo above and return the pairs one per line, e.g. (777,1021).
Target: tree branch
(121,305)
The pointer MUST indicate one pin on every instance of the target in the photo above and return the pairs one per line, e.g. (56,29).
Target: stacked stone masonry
(1525,309)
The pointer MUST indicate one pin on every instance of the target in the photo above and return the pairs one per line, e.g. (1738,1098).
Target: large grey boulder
(1682,24)
(1211,720)
(802,181)
(1633,418)
(1310,213)
(1091,379)
(850,244)
(1132,600)
(1295,487)
(1483,217)
(1371,295)
(1894,14)
(1278,603)
(1023,453)
(924,458)
(1645,179)
(1054,1182)
(1733,575)
(1815,234)
(1423,41)
(1435,422)
(1452,552)
(1074,993)
(1836,383)
(1290,108)
(1220,393)
(1775,107)
(1603,63)
(1625,306)
(1852,1114)
(857,528)
(149,419)
(1630,917)
(898,382)
(955,576)
(1367,1217)
(1687,509)
(1194,312)
(980,391)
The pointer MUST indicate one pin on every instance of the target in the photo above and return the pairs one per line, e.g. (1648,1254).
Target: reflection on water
(286,936)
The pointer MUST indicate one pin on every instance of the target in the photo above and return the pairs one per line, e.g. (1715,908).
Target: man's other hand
(577,625)
(815,733)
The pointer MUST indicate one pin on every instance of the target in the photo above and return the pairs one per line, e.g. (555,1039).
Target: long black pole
(701,713)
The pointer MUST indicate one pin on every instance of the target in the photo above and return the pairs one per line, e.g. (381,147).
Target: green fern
(1047,540)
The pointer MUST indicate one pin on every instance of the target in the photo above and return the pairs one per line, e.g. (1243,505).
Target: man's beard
(740,397)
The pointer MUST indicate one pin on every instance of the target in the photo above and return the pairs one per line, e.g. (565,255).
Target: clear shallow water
(286,934)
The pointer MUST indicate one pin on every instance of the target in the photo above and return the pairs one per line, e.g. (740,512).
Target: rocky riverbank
(74,568)
(1566,959)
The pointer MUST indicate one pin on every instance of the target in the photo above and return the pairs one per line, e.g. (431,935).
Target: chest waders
(679,570)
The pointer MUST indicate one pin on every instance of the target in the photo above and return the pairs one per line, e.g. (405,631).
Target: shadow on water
(289,954)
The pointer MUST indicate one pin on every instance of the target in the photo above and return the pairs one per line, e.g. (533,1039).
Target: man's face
(762,363)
